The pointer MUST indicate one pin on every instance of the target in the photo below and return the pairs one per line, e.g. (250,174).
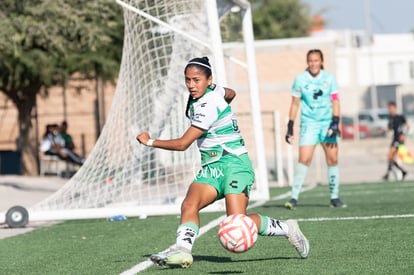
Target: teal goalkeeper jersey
(213,114)
(316,95)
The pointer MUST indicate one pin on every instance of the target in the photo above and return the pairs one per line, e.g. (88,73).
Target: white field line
(356,193)
(144,265)
(357,218)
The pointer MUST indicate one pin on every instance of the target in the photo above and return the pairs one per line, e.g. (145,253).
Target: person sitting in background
(54,144)
(66,137)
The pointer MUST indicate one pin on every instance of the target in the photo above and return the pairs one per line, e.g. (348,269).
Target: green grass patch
(359,239)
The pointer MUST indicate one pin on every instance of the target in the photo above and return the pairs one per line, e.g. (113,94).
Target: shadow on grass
(220,259)
(217,259)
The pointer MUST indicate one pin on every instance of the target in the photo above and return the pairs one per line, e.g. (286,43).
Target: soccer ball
(237,233)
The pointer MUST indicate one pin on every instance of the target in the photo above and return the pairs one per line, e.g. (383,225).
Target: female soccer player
(398,125)
(226,170)
(315,92)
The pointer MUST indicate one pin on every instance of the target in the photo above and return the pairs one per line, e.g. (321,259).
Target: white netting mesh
(160,37)
(150,96)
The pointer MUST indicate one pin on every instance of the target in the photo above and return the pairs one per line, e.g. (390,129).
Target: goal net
(122,177)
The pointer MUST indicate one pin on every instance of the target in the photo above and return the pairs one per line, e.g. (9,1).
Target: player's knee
(189,206)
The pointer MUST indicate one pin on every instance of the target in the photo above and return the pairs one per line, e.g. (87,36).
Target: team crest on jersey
(317,94)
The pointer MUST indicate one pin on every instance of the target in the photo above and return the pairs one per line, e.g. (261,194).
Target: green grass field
(372,236)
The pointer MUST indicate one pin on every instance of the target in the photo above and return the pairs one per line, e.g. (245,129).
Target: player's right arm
(294,107)
(293,110)
(178,144)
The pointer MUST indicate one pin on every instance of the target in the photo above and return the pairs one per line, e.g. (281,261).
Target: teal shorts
(231,174)
(315,133)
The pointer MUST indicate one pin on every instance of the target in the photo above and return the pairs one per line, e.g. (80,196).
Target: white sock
(276,227)
(186,235)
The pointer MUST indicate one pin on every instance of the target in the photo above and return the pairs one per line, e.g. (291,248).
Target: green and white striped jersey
(213,114)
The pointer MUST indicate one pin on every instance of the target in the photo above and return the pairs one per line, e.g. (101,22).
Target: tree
(272,19)
(44,42)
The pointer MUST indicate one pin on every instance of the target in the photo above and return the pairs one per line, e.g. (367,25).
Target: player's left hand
(143,138)
(333,130)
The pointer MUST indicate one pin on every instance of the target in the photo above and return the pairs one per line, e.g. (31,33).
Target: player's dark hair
(392,103)
(49,128)
(202,64)
(318,51)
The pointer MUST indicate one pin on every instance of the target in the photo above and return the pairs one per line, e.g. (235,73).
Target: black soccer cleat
(404,173)
(337,203)
(291,204)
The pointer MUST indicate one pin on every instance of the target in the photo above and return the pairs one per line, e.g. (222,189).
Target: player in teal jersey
(226,170)
(315,93)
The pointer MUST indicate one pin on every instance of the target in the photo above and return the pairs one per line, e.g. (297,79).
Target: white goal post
(122,177)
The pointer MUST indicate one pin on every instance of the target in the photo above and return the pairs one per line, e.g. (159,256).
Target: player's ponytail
(187,108)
